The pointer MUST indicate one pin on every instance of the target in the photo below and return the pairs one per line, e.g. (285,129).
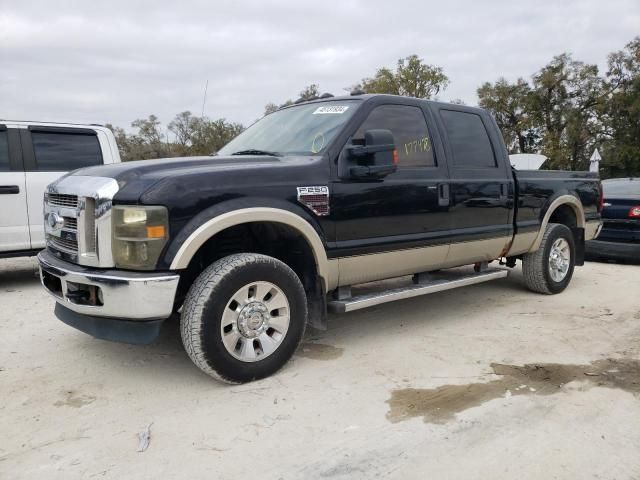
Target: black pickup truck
(289,220)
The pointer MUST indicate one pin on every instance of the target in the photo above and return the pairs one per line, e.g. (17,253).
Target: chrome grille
(90,226)
(63,200)
(83,203)
(66,240)
(70,223)
(66,245)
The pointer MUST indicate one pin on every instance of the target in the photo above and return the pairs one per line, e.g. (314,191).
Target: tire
(244,340)
(539,268)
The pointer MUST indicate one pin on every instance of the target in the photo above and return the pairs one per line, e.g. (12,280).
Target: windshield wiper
(252,151)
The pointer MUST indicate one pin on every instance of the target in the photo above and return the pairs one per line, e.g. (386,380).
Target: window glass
(469,140)
(304,129)
(621,187)
(62,152)
(409,130)
(4,151)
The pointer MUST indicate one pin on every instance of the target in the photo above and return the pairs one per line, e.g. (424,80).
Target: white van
(32,155)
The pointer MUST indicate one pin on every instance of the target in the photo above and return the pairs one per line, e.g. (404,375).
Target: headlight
(139,235)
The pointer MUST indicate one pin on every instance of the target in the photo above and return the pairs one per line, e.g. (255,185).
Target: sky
(113,62)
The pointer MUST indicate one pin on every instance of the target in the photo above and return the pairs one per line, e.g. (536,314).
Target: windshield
(303,130)
(621,187)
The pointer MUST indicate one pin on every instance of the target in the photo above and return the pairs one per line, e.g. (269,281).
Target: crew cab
(294,215)
(32,155)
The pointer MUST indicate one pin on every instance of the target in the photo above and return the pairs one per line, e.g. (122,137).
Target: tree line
(191,136)
(565,110)
(568,109)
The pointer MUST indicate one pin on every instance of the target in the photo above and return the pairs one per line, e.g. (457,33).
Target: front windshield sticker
(331,109)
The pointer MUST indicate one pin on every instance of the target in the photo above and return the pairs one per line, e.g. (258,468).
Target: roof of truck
(369,96)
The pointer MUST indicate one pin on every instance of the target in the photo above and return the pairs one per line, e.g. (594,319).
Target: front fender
(213,220)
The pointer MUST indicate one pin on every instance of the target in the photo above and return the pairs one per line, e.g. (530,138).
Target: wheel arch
(214,226)
(556,207)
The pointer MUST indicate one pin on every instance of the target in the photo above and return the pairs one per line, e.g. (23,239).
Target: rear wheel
(243,317)
(550,268)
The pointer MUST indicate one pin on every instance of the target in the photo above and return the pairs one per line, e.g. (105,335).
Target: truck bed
(538,188)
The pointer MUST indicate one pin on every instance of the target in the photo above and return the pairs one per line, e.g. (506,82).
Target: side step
(430,284)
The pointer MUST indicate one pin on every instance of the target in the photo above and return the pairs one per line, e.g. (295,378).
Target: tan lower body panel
(592,229)
(378,266)
(476,251)
(334,273)
(522,243)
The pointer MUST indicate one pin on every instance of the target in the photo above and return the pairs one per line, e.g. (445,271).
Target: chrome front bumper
(108,293)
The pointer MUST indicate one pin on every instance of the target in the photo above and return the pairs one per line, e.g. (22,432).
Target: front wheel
(243,317)
(550,268)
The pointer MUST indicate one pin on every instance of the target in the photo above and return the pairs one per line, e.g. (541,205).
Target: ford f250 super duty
(290,218)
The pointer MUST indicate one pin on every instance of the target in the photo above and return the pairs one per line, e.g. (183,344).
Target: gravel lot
(432,387)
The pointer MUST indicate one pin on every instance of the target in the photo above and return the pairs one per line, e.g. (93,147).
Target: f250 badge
(315,199)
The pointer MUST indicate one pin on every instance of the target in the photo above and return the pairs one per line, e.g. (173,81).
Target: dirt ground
(486,382)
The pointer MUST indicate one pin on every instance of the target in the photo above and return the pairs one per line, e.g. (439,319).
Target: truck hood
(153,170)
(167,176)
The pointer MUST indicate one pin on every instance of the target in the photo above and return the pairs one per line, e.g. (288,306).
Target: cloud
(120,60)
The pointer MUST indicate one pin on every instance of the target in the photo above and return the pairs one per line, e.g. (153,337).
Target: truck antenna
(204,98)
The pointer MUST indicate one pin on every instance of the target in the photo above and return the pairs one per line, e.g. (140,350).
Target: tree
(148,129)
(149,141)
(566,97)
(510,104)
(146,143)
(123,142)
(183,126)
(270,108)
(209,136)
(412,78)
(193,136)
(621,114)
(307,93)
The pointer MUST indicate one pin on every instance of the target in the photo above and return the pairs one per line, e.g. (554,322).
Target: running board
(423,288)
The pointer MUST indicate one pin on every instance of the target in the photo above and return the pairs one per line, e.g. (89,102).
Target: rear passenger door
(14,221)
(50,152)
(481,186)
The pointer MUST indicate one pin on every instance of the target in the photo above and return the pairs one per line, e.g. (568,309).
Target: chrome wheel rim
(255,321)
(559,259)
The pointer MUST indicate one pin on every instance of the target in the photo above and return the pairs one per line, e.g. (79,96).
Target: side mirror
(377,158)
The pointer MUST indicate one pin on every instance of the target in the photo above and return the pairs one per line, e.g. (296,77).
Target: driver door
(397,225)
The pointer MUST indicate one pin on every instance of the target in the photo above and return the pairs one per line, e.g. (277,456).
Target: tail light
(634,212)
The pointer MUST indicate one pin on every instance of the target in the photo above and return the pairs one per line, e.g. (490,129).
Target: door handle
(443,194)
(9,189)
(504,191)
